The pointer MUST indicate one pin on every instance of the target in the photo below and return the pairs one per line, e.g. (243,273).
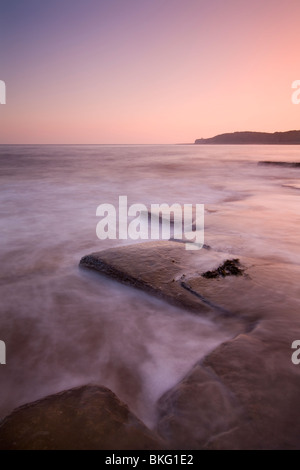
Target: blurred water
(64,326)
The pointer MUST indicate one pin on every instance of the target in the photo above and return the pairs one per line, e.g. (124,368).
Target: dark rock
(167,270)
(152,267)
(280,164)
(292,186)
(87,417)
(230,267)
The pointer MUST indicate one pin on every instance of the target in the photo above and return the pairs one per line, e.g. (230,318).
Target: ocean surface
(64,326)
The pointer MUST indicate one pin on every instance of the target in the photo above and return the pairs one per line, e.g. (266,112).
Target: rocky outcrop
(88,417)
(291,185)
(281,164)
(196,409)
(244,394)
(167,270)
(155,267)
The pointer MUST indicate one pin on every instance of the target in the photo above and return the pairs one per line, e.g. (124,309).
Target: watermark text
(295,356)
(2,92)
(296,93)
(2,352)
(161,221)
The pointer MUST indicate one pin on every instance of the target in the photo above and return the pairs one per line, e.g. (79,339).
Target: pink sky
(152,71)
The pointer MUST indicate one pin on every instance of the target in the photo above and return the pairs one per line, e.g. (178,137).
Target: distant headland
(255,138)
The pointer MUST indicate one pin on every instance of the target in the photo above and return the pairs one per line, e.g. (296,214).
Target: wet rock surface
(244,394)
(281,164)
(257,368)
(196,409)
(88,417)
(166,269)
(154,267)
(202,281)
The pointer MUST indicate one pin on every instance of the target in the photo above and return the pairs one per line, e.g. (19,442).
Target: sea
(65,326)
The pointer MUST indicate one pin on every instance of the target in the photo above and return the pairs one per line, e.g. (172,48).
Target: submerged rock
(87,417)
(166,269)
(155,267)
(291,185)
(243,395)
(196,409)
(201,281)
(284,164)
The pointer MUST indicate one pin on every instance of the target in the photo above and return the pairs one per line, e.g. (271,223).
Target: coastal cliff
(255,138)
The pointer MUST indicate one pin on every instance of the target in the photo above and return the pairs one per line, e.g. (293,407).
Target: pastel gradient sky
(146,71)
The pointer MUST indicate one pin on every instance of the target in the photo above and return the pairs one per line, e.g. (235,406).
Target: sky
(146,71)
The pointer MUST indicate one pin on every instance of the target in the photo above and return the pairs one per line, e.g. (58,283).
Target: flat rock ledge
(167,270)
(245,393)
(85,418)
